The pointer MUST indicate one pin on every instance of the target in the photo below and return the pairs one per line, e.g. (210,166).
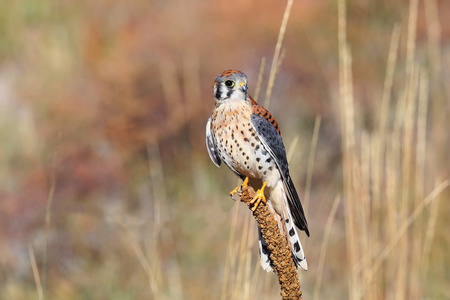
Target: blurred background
(106,187)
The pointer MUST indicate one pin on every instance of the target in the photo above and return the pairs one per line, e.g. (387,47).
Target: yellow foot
(236,189)
(259,197)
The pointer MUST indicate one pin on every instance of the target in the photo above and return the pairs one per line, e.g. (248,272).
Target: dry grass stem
(276,55)
(238,280)
(310,168)
(384,173)
(260,78)
(280,254)
(429,236)
(48,211)
(292,147)
(434,34)
(230,259)
(348,144)
(403,229)
(37,278)
(323,247)
(419,182)
(152,274)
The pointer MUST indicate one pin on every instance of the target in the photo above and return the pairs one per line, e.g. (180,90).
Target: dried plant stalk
(280,253)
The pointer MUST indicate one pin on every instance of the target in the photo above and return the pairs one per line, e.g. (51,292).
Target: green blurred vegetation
(106,102)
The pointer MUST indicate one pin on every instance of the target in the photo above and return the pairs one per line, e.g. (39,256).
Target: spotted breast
(237,143)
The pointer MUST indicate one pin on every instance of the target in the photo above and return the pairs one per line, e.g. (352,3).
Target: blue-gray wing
(212,151)
(273,144)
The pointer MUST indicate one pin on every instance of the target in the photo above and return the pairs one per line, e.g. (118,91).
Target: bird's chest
(238,144)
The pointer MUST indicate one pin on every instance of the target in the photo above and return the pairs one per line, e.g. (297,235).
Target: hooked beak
(243,87)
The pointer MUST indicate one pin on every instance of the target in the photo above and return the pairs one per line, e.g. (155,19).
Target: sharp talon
(259,197)
(236,189)
(239,188)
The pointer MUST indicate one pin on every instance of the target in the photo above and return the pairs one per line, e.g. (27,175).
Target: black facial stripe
(230,91)
(218,92)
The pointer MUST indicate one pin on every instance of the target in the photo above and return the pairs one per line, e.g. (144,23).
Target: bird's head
(230,84)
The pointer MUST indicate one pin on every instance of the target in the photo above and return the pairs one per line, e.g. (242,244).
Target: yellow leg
(259,197)
(236,189)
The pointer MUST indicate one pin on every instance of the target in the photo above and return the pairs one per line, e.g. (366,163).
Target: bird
(246,138)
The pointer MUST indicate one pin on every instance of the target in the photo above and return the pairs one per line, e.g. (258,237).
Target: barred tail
(293,239)
(297,250)
(296,246)
(266,262)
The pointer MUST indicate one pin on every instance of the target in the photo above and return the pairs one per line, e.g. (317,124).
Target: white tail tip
(304,265)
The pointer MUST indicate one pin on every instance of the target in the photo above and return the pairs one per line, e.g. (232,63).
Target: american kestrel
(245,137)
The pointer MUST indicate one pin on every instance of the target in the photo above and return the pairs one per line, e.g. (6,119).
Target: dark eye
(229,83)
